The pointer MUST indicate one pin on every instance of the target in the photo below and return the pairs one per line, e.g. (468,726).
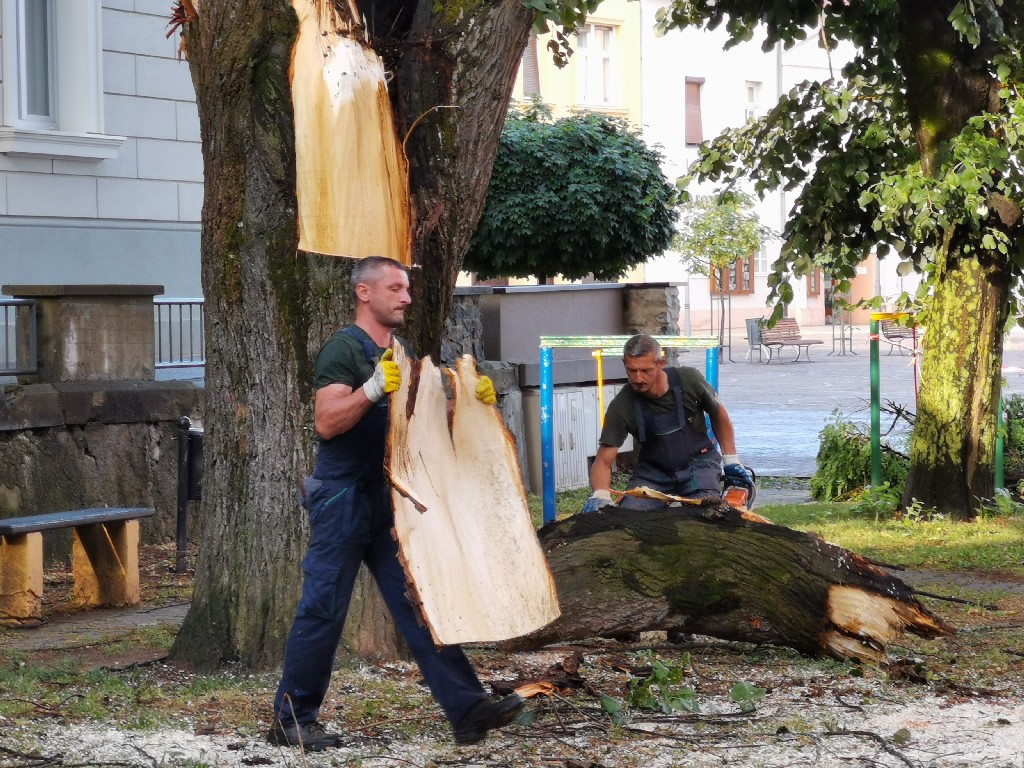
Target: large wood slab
(467,542)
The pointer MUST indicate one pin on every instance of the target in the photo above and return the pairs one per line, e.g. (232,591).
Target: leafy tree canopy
(716,230)
(915,152)
(576,196)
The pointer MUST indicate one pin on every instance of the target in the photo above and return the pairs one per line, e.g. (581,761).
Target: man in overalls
(350,516)
(663,408)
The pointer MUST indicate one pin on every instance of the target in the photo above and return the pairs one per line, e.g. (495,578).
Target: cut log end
(865,622)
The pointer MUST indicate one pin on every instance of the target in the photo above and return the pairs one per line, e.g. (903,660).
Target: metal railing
(18,343)
(179,333)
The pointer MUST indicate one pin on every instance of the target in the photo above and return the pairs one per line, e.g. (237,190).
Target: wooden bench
(786,333)
(896,336)
(104,559)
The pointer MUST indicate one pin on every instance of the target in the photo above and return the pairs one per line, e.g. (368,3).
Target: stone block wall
(651,308)
(73,446)
(70,446)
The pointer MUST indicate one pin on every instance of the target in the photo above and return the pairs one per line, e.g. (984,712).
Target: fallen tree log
(709,570)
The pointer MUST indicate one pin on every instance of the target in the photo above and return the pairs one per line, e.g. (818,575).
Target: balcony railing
(179,333)
(18,340)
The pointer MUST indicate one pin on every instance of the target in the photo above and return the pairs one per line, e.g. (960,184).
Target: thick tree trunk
(269,308)
(709,571)
(451,93)
(952,452)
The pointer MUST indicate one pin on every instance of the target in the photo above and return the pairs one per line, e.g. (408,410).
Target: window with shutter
(694,124)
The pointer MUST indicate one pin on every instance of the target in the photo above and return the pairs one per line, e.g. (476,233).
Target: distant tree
(715,231)
(573,197)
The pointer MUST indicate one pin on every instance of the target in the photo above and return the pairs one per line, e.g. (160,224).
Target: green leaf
(611,705)
(901,737)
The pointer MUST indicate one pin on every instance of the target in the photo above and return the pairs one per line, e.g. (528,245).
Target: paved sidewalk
(780,408)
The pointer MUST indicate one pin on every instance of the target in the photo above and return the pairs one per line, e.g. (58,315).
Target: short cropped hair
(370,267)
(641,345)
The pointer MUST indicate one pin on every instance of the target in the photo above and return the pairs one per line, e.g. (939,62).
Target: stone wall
(73,446)
(651,308)
(464,328)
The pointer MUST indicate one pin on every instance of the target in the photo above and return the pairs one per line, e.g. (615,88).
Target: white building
(101,163)
(100,159)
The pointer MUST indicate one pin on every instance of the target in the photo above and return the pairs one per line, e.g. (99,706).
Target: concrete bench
(104,559)
(786,333)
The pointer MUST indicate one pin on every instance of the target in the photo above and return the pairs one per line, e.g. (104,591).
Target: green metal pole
(876,413)
(1000,479)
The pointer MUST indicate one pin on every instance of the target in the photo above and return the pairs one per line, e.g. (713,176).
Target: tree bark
(269,308)
(451,93)
(952,453)
(710,571)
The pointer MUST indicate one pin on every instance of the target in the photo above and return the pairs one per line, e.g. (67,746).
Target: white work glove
(598,499)
(386,378)
(485,391)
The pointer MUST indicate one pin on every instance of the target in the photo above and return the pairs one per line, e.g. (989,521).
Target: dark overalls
(674,458)
(351,518)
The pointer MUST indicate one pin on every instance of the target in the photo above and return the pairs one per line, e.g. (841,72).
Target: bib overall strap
(641,422)
(369,348)
(676,385)
(677,392)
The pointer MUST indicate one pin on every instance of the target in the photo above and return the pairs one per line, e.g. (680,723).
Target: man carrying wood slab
(664,409)
(351,519)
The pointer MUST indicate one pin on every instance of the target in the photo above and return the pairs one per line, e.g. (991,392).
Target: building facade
(100,156)
(680,89)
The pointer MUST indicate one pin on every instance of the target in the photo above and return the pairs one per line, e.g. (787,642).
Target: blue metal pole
(711,366)
(547,434)
(711,374)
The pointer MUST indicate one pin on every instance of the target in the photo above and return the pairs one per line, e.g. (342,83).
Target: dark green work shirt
(699,397)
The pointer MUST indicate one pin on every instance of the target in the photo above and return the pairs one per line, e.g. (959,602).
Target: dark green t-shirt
(342,360)
(699,397)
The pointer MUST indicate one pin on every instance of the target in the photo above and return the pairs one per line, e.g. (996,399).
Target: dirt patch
(947,702)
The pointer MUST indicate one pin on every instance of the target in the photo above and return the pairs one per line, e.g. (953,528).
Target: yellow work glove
(386,378)
(485,391)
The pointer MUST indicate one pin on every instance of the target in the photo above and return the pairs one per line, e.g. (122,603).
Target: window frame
(693,114)
(609,65)
(75,131)
(753,105)
(814,282)
(25,69)
(762,262)
(740,277)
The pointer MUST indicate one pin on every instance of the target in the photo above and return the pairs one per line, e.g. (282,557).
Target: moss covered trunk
(451,93)
(269,308)
(267,311)
(952,452)
(712,572)
(953,446)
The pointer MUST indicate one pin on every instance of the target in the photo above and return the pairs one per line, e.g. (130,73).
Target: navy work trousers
(351,524)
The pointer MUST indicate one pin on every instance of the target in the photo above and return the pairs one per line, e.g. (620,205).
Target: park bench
(786,333)
(104,559)
(896,336)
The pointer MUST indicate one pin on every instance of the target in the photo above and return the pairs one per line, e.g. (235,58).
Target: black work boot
(487,715)
(311,736)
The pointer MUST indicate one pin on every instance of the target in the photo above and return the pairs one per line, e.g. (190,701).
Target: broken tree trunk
(709,571)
